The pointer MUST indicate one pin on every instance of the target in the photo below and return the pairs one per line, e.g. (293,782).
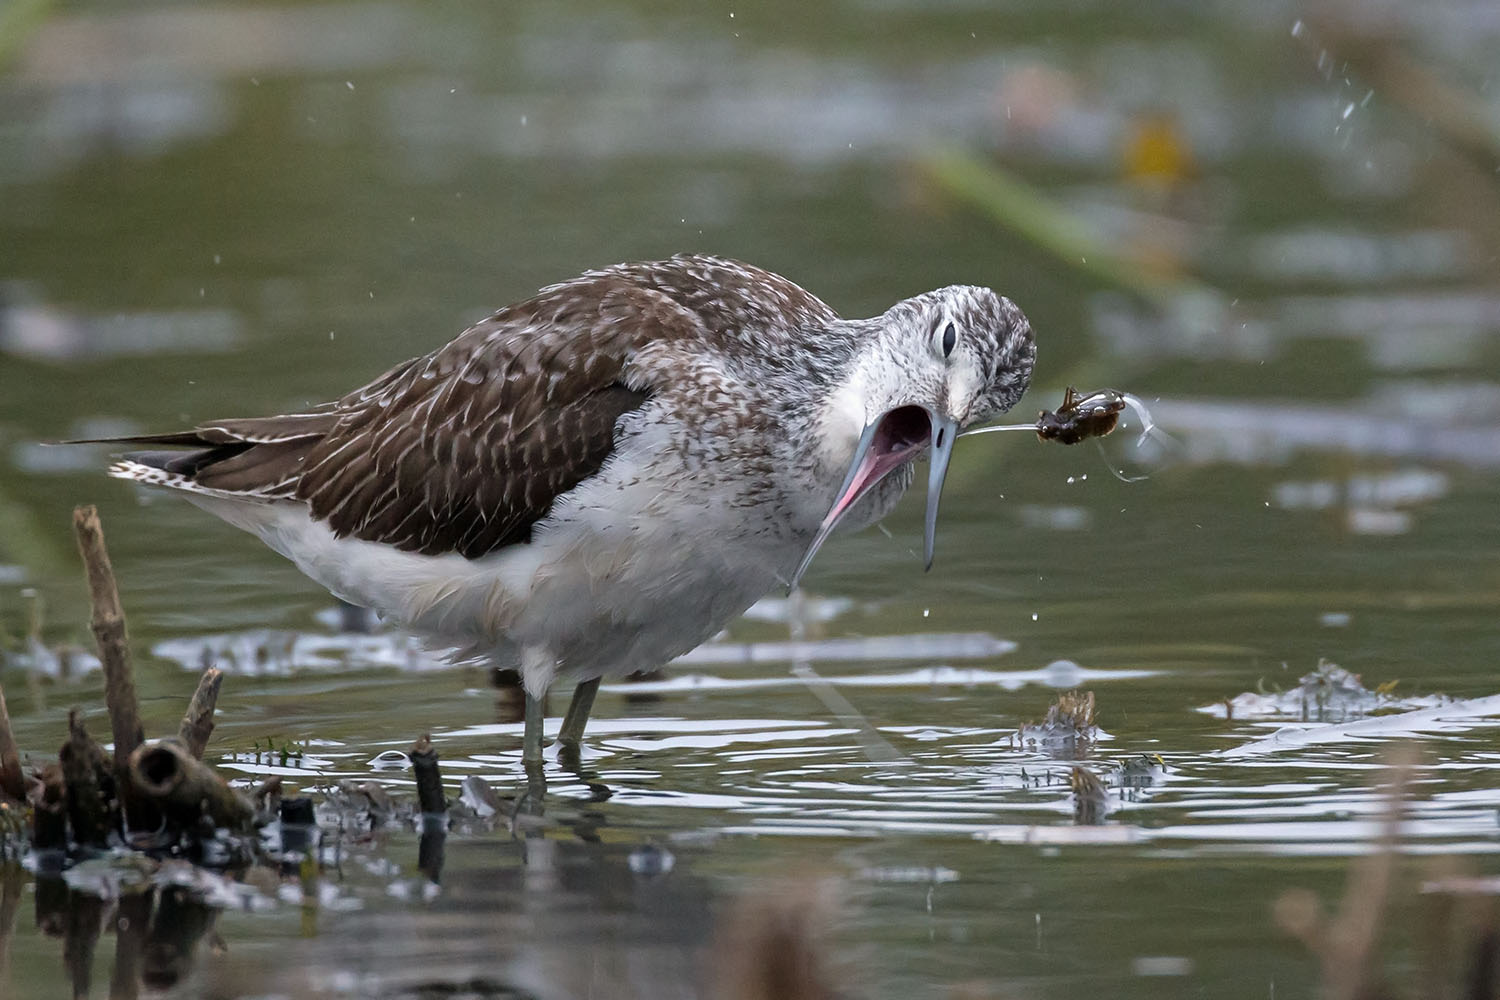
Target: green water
(211,211)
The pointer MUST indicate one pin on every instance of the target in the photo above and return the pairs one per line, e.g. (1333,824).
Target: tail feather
(183,463)
(258,458)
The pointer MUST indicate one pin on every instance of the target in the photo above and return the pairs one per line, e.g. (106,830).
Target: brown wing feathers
(465,449)
(462,450)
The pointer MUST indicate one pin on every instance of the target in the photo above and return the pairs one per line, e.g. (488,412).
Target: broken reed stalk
(198,724)
(185,787)
(424,765)
(108,624)
(87,784)
(12,781)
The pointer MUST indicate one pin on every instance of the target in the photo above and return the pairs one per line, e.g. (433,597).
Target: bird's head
(928,367)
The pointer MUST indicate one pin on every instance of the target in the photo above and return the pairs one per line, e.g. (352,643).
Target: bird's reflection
(537,915)
(570,908)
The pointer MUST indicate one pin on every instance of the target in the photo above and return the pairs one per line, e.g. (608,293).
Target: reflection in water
(158,931)
(551,916)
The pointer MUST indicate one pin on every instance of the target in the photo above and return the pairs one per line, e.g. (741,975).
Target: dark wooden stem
(85,774)
(424,765)
(49,813)
(108,624)
(198,724)
(12,782)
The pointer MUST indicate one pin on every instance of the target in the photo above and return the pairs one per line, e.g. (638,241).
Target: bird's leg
(531,757)
(571,733)
(531,738)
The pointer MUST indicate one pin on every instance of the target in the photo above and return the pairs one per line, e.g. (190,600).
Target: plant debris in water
(1327,694)
(1069,726)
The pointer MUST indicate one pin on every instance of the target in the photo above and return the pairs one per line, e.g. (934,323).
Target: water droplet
(1034,616)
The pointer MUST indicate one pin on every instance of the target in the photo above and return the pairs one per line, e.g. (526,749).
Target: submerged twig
(198,723)
(108,624)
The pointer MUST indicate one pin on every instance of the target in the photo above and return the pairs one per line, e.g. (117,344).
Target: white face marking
(964,382)
(844,420)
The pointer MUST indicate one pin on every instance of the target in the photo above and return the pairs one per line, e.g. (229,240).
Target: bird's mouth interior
(898,437)
(902,431)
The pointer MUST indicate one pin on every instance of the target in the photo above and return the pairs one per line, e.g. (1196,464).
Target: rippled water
(219,210)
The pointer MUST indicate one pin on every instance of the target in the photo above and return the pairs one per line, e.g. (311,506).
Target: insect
(1081,416)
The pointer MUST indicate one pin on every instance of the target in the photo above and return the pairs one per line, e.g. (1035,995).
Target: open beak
(893,439)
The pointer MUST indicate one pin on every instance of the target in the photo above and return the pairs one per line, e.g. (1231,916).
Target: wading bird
(597,479)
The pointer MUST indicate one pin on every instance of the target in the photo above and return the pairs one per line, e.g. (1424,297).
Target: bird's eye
(950,339)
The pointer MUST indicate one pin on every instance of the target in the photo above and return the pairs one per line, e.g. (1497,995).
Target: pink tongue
(872,468)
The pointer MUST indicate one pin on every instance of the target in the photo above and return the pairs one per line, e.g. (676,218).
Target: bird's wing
(467,449)
(464,449)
